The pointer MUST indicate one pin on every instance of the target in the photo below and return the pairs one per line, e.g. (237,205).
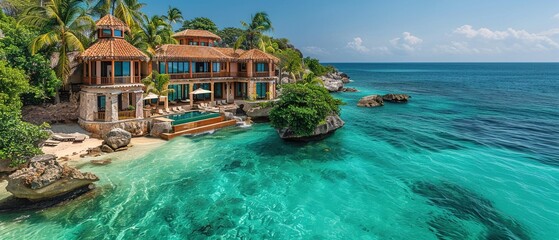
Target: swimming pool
(191,117)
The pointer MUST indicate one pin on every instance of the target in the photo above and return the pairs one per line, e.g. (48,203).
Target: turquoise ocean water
(474,155)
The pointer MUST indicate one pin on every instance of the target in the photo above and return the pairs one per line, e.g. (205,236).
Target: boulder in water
(332,123)
(371,101)
(117,138)
(46,179)
(396,98)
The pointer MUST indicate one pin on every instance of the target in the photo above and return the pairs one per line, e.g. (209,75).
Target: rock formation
(335,81)
(332,123)
(117,138)
(160,127)
(45,178)
(371,101)
(396,98)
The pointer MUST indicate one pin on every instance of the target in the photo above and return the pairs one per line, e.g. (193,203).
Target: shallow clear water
(474,155)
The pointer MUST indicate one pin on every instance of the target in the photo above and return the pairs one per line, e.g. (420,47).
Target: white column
(98,72)
(139,104)
(111,107)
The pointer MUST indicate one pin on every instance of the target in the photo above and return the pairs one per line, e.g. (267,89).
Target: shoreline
(69,153)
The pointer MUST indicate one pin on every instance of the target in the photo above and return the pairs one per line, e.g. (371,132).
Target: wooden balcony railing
(110,80)
(128,114)
(100,116)
(201,75)
(261,74)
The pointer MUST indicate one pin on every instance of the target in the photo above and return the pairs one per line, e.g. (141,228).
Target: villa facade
(111,71)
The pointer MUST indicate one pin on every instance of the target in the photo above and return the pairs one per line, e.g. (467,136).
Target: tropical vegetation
(19,139)
(158,84)
(302,107)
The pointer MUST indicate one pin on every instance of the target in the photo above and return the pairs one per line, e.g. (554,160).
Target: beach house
(112,93)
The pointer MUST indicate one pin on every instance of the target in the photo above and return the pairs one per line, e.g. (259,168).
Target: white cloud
(514,39)
(407,42)
(556,16)
(357,45)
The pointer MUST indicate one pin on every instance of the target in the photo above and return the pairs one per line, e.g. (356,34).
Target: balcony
(111,80)
(200,75)
(122,115)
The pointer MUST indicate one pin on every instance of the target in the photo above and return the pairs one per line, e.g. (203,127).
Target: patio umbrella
(200,91)
(150,96)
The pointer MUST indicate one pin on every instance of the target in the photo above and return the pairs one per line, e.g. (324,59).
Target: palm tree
(174,15)
(311,79)
(128,11)
(66,26)
(158,84)
(154,32)
(259,24)
(267,45)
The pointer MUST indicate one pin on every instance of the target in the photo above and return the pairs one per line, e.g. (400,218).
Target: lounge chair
(181,109)
(51,143)
(185,100)
(224,102)
(63,137)
(168,111)
(79,139)
(160,112)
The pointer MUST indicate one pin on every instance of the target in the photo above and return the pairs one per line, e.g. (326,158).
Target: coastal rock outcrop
(349,90)
(371,101)
(335,81)
(396,98)
(45,178)
(117,138)
(330,125)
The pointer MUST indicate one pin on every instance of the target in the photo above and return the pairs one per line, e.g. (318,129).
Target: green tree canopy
(174,15)
(200,23)
(229,36)
(290,61)
(318,69)
(14,48)
(302,107)
(158,84)
(252,36)
(65,27)
(19,139)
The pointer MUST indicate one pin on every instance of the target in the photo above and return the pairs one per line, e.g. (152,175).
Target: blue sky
(398,30)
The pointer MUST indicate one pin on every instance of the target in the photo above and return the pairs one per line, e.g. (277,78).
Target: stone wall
(137,127)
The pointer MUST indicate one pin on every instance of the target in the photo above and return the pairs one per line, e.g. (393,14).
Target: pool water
(191,117)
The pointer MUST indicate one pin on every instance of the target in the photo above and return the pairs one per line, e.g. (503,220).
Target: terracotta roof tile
(231,52)
(196,33)
(257,55)
(173,52)
(110,21)
(113,49)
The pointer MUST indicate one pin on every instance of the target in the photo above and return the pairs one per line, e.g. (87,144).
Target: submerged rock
(371,101)
(46,179)
(332,123)
(117,138)
(349,89)
(396,98)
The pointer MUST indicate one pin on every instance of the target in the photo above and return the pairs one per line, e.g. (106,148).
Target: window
(178,93)
(122,69)
(261,89)
(261,67)
(162,67)
(106,33)
(118,33)
(101,103)
(178,67)
(216,67)
(201,67)
(218,90)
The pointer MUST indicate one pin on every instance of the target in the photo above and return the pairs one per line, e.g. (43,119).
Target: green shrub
(20,139)
(303,107)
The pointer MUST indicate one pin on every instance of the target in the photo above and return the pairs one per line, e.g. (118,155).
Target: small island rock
(117,138)
(396,98)
(371,101)
(46,179)
(332,123)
